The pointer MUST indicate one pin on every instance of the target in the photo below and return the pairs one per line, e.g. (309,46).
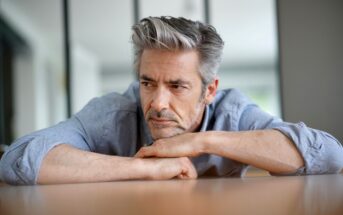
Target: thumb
(144,152)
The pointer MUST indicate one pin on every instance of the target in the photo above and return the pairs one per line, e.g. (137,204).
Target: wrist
(210,141)
(130,168)
(205,140)
(141,168)
(148,168)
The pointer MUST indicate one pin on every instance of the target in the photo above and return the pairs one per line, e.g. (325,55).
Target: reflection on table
(261,195)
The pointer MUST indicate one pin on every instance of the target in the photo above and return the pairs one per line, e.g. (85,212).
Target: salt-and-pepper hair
(169,33)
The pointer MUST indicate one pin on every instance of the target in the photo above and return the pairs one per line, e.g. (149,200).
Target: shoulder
(231,100)
(111,103)
(228,108)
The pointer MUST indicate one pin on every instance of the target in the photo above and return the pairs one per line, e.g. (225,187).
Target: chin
(165,133)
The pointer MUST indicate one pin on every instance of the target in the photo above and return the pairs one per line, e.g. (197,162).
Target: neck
(199,120)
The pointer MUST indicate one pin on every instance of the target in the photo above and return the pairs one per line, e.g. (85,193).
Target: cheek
(144,102)
(189,112)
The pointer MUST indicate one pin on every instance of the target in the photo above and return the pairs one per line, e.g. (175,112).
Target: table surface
(311,195)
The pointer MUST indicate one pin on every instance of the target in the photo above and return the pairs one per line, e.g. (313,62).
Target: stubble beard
(161,131)
(178,129)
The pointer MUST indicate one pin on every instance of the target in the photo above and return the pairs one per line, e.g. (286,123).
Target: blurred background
(56,55)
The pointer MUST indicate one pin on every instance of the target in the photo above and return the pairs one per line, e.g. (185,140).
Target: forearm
(265,149)
(66,164)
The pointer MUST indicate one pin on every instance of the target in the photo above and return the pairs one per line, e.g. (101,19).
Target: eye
(178,87)
(175,86)
(146,84)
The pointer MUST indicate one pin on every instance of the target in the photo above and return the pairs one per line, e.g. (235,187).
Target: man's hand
(168,168)
(175,152)
(270,150)
(66,164)
(184,145)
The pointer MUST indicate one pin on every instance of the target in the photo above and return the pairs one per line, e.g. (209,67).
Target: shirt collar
(205,119)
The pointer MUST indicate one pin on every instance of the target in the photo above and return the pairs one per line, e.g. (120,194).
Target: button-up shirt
(114,124)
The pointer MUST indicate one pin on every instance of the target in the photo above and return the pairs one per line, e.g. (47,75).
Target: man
(172,124)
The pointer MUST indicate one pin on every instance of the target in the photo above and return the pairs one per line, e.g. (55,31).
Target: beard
(164,123)
(168,128)
(173,127)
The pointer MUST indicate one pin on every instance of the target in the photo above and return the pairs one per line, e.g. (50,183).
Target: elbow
(7,173)
(328,158)
(335,161)
(334,158)
(12,170)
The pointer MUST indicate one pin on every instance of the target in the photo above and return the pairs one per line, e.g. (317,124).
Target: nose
(160,99)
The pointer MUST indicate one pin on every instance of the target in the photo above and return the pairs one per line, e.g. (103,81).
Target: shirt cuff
(321,152)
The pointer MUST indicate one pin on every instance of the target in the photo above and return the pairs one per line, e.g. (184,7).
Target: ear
(211,91)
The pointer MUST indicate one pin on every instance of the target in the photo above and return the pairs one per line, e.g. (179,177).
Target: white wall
(85,77)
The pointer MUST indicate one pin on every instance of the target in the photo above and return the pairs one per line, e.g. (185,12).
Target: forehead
(160,64)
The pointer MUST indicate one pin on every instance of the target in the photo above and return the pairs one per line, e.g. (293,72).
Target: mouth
(161,122)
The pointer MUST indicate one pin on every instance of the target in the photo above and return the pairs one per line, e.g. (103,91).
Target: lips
(160,119)
(161,123)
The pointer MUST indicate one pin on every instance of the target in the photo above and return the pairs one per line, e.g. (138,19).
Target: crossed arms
(259,140)
(168,158)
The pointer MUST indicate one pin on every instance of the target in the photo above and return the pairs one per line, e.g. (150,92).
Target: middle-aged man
(172,124)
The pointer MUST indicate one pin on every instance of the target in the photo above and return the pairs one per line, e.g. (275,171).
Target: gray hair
(169,33)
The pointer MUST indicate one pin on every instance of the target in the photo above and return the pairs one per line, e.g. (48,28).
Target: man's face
(170,90)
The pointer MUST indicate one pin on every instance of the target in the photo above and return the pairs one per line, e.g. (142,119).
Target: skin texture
(266,149)
(66,164)
(173,104)
(171,107)
(178,108)
(170,89)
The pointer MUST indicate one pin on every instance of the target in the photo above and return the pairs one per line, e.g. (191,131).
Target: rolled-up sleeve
(21,162)
(98,127)
(322,153)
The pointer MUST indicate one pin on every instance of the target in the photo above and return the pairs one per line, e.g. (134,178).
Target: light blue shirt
(114,124)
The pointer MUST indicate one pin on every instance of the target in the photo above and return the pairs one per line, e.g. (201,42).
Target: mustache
(164,114)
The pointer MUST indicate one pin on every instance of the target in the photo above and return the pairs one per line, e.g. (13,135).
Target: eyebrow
(146,78)
(177,81)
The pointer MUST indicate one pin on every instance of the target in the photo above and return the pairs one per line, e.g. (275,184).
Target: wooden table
(260,195)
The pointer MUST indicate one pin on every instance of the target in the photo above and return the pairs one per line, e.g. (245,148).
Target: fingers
(185,145)
(158,149)
(169,168)
(188,169)
(162,148)
(187,175)
(146,152)
(184,167)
